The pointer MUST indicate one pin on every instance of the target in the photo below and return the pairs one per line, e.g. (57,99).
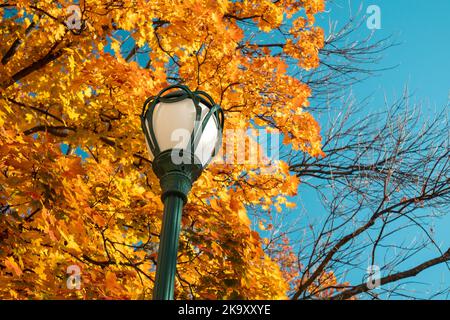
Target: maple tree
(383,186)
(76,187)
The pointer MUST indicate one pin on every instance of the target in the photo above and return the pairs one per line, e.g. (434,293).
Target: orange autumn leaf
(111,281)
(13,266)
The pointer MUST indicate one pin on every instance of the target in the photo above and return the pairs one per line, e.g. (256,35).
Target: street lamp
(183,131)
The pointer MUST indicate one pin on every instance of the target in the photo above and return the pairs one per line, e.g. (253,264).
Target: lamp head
(183,131)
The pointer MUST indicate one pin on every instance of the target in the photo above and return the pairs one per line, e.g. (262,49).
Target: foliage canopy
(64,90)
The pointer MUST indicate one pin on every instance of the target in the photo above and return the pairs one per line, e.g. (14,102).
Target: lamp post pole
(168,249)
(178,166)
(176,182)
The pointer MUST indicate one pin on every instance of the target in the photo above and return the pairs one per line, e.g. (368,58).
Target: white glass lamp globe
(173,124)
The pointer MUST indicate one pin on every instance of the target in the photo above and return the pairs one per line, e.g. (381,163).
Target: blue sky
(422,29)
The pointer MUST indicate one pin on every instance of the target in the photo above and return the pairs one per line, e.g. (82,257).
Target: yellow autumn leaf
(243,217)
(28,117)
(261,225)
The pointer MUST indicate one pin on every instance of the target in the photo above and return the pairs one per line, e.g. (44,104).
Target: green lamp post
(183,132)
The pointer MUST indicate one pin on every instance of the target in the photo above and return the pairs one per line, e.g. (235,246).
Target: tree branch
(15,45)
(394,277)
(59,131)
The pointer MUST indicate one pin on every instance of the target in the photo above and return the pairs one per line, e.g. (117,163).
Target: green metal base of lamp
(176,172)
